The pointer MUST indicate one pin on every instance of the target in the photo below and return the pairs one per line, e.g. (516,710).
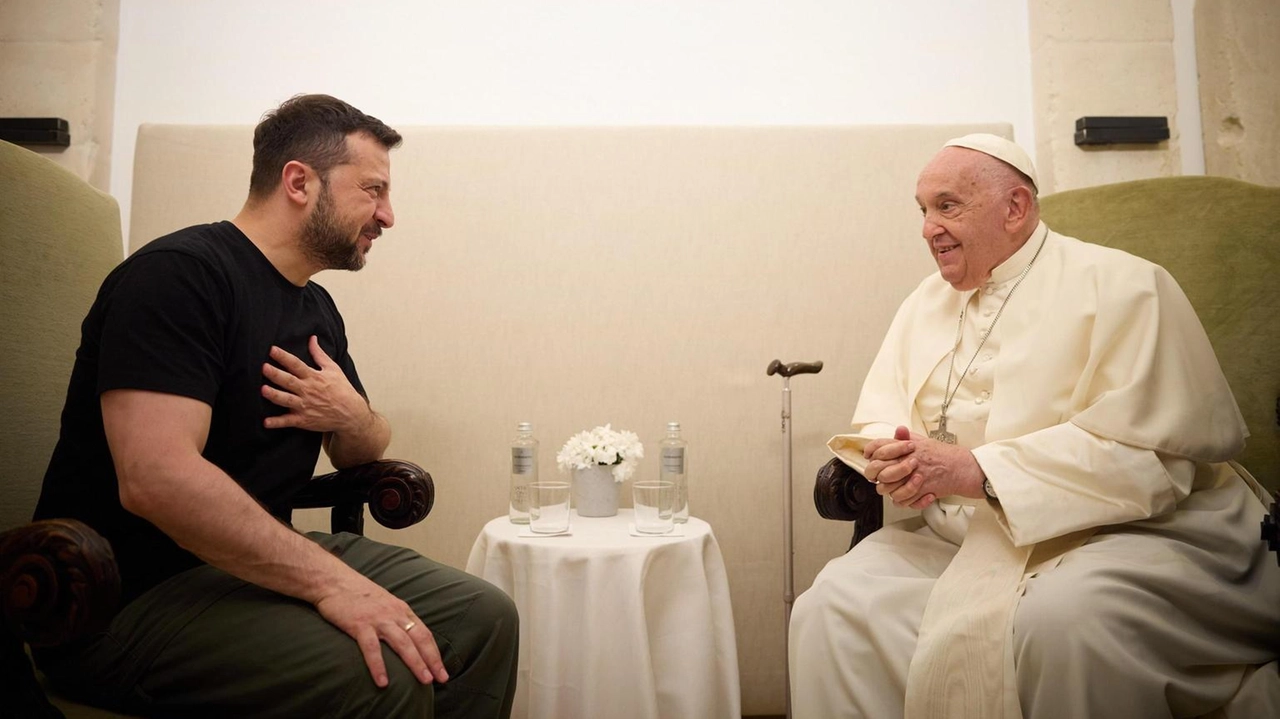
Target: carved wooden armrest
(1271,527)
(399,494)
(841,493)
(58,582)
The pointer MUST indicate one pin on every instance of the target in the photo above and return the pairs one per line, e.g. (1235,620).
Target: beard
(328,243)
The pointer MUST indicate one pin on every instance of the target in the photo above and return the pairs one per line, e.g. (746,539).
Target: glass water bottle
(675,469)
(524,472)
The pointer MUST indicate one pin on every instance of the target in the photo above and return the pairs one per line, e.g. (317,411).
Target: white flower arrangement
(602,446)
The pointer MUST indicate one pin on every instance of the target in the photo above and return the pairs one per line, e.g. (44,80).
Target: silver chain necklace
(941,434)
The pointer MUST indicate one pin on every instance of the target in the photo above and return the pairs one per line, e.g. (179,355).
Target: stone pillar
(58,59)
(1238,53)
(1101,57)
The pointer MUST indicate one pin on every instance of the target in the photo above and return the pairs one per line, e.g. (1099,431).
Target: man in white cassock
(1085,548)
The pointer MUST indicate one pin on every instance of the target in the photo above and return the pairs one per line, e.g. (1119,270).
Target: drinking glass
(549,507)
(653,502)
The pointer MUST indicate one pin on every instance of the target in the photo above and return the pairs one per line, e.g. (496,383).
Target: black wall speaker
(35,131)
(1121,130)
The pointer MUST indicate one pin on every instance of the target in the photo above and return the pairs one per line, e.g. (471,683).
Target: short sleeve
(164,327)
(348,366)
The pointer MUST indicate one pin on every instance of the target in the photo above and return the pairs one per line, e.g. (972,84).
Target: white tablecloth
(616,626)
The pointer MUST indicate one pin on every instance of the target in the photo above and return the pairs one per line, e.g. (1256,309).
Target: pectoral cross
(941,434)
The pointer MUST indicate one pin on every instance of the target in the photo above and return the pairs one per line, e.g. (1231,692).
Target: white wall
(574,62)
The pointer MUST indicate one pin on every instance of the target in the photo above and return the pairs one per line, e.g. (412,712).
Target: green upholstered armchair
(1220,239)
(58,578)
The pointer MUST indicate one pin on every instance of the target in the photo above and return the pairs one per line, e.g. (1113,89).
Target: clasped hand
(321,400)
(913,470)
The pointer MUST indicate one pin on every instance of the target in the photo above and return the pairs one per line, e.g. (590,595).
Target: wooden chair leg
(347,517)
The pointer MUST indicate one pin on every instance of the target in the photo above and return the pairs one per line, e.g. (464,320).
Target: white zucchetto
(1006,151)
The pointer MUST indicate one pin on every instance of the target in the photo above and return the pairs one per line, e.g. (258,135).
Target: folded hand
(913,470)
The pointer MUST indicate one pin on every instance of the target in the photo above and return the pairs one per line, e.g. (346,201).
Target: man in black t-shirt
(211,372)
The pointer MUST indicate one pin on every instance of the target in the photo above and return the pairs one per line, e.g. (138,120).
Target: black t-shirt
(195,314)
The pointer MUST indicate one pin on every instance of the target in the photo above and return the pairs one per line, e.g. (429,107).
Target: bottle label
(673,460)
(522,460)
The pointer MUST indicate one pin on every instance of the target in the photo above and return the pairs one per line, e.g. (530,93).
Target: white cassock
(1121,573)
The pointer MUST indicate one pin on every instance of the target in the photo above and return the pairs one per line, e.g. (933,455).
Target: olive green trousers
(205,644)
